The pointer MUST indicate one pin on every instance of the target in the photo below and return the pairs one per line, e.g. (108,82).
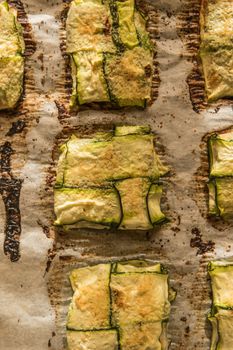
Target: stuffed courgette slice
(88,27)
(92,340)
(216,49)
(90,305)
(129,76)
(139,297)
(95,205)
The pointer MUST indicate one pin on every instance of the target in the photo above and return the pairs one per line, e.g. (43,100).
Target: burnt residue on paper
(30,45)
(10,188)
(16,127)
(197,242)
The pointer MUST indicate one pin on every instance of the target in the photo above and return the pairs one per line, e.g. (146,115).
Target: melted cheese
(95,205)
(91,85)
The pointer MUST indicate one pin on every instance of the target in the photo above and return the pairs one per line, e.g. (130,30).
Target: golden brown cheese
(129,76)
(88,27)
(137,298)
(90,304)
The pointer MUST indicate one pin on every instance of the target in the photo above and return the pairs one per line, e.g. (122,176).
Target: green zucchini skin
(100,331)
(102,88)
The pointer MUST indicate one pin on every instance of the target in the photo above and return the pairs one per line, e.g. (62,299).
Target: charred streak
(10,188)
(16,127)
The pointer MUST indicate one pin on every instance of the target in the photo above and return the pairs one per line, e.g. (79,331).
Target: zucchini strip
(127,304)
(90,81)
(90,305)
(92,162)
(127,29)
(221,157)
(100,206)
(224,195)
(88,27)
(222,285)
(129,75)
(213,208)
(153,202)
(133,194)
(137,266)
(141,336)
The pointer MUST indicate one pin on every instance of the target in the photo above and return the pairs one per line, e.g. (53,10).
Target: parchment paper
(34,291)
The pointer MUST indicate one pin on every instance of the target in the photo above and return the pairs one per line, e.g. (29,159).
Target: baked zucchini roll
(220,148)
(221,315)
(216,50)
(119,306)
(109,180)
(11,57)
(110,52)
